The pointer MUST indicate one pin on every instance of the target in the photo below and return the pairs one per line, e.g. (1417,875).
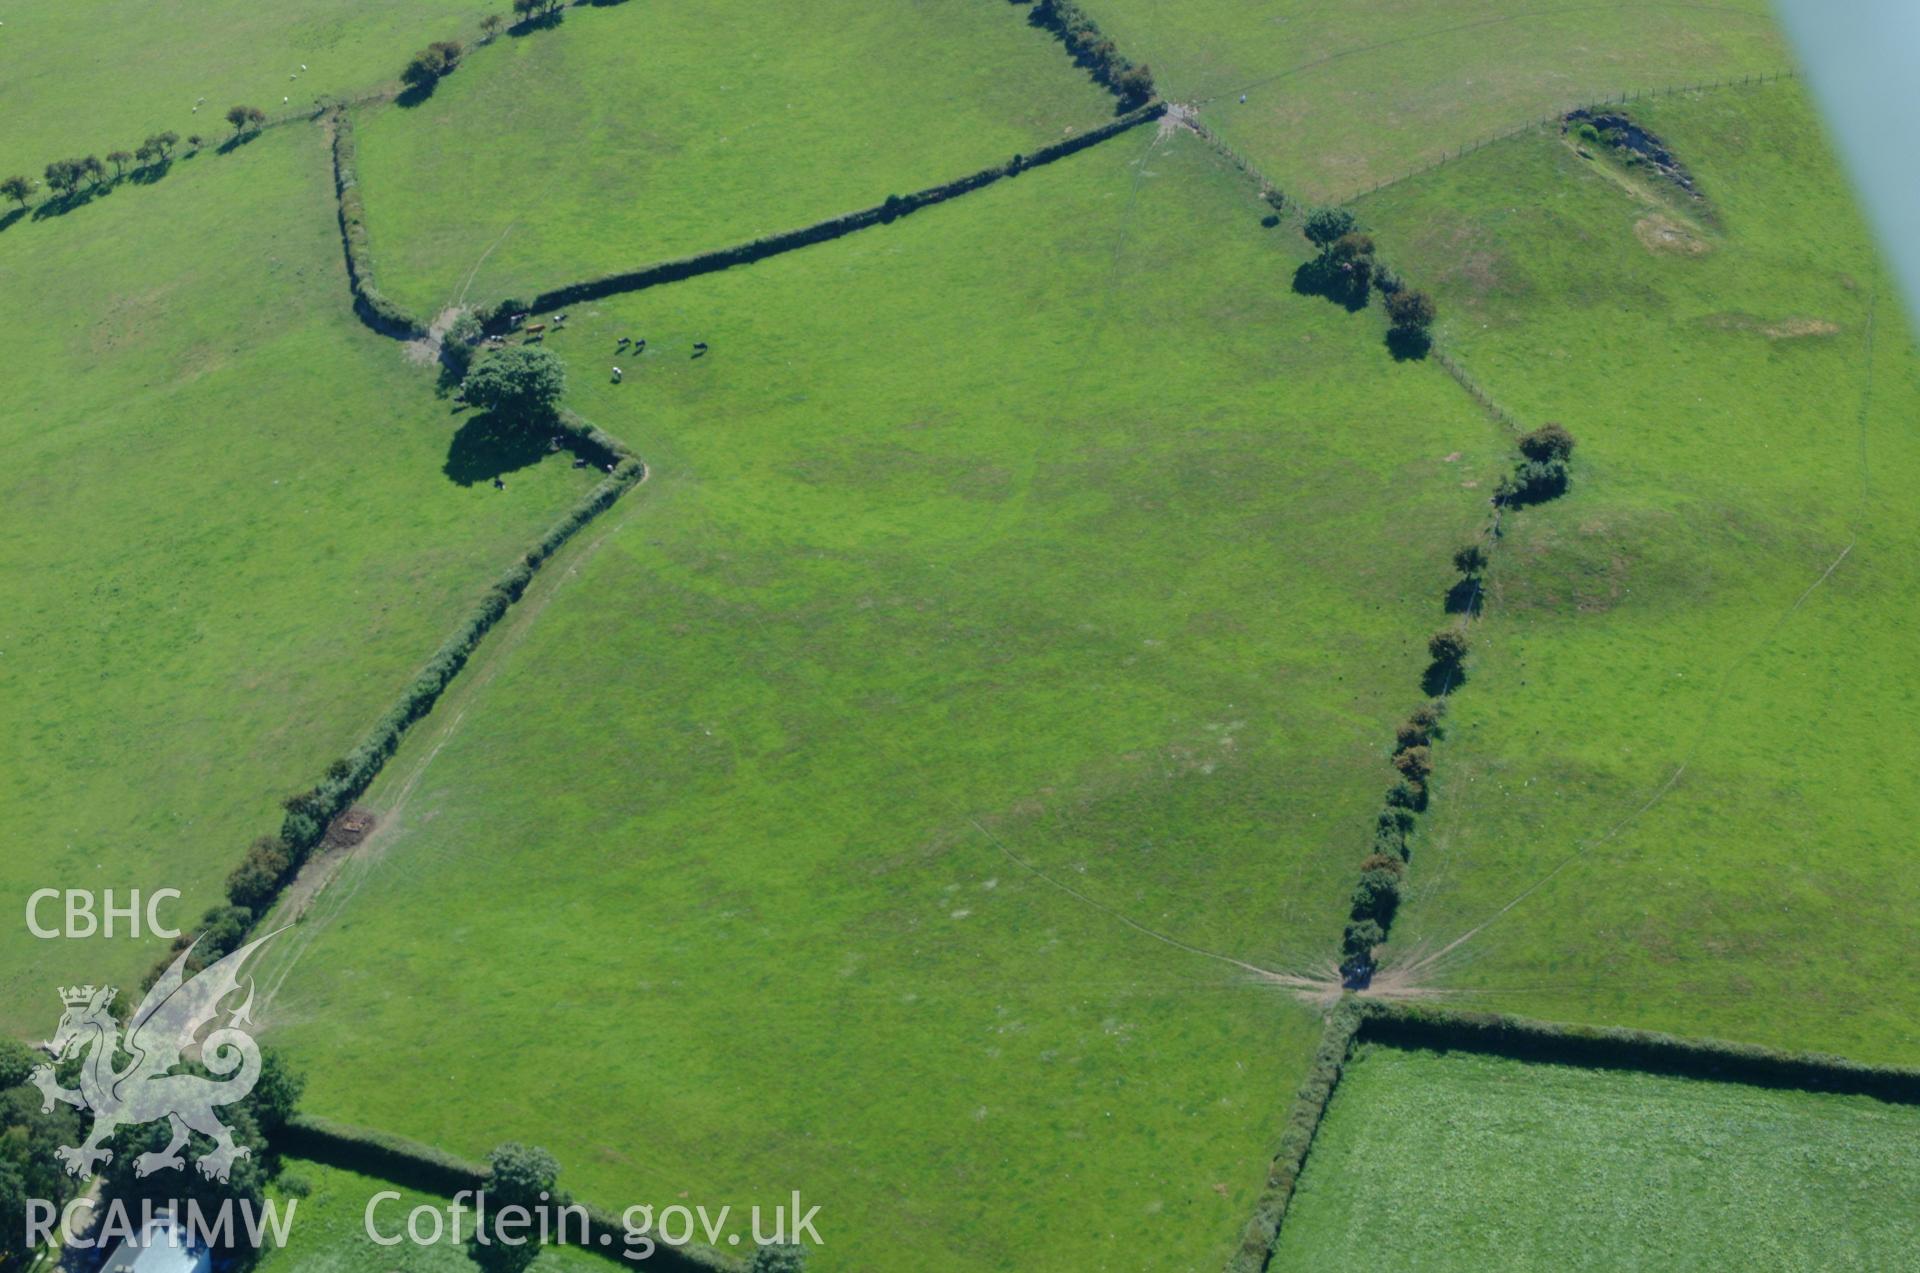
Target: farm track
(310,887)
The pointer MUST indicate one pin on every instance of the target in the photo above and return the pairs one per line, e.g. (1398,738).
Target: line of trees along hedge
(1646,1051)
(414,1165)
(1540,473)
(894,207)
(374,309)
(271,862)
(1303,1122)
(1126,79)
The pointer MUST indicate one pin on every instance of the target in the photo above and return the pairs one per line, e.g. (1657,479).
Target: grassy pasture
(1340,97)
(644,132)
(1687,725)
(1046,525)
(230,540)
(92,77)
(1460,1161)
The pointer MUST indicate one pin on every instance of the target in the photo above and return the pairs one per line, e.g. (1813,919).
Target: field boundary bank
(1296,1138)
(372,307)
(478,37)
(1092,50)
(1541,473)
(415,1165)
(1190,115)
(1357,1020)
(1641,1051)
(310,814)
(884,213)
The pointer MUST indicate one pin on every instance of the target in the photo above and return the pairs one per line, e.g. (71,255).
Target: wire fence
(1624,98)
(1472,386)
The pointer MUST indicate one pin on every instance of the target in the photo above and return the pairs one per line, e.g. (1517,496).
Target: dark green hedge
(374,309)
(376,1153)
(1408,1025)
(819,232)
(309,813)
(1336,1043)
(1074,27)
(692,1259)
(1614,1048)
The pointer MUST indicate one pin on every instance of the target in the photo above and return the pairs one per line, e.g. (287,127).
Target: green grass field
(1685,731)
(230,540)
(94,77)
(1458,1161)
(1340,97)
(644,132)
(1115,561)
(897,797)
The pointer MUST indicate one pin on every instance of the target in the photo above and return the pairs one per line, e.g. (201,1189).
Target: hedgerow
(1419,1025)
(1303,1120)
(377,1153)
(378,312)
(409,1163)
(1646,1051)
(272,862)
(890,209)
(1127,80)
(1540,473)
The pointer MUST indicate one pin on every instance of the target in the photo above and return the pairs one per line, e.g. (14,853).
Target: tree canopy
(1326,225)
(1411,309)
(523,380)
(517,1177)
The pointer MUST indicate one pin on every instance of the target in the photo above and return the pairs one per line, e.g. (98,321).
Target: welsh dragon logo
(161,1034)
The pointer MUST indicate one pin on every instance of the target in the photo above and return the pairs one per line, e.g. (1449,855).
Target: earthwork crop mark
(1429,965)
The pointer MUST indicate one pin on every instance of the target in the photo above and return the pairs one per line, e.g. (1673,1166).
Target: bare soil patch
(1779,329)
(1795,328)
(1659,233)
(350,828)
(425,351)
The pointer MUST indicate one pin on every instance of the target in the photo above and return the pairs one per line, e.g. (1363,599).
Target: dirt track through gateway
(306,903)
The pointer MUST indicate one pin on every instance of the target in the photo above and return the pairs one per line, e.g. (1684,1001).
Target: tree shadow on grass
(11,215)
(1442,679)
(415,95)
(491,445)
(1408,343)
(1325,278)
(236,141)
(147,174)
(1465,597)
(60,205)
(540,22)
